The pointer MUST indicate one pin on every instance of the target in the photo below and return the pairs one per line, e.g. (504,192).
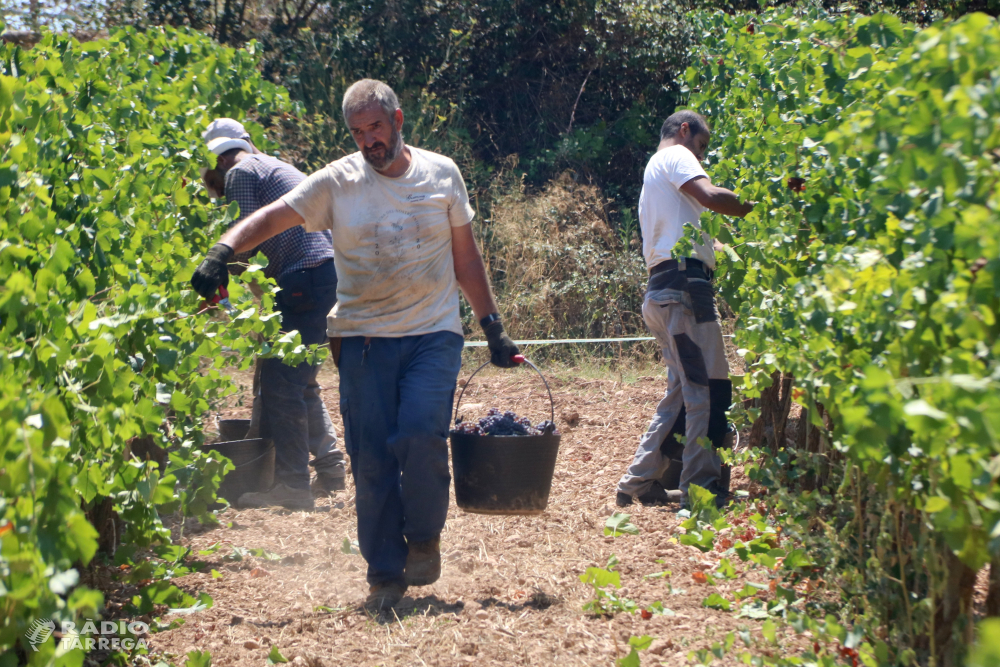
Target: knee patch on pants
(720,397)
(692,360)
(671,448)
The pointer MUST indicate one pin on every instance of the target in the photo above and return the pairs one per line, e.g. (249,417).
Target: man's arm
(261,225)
(471,274)
(471,271)
(715,198)
(264,223)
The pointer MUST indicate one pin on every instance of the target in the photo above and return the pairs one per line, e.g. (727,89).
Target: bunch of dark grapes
(468,428)
(497,422)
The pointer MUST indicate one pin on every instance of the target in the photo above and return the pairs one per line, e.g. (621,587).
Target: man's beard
(389,154)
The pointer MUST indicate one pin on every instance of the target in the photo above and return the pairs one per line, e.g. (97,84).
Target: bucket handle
(552,403)
(246,463)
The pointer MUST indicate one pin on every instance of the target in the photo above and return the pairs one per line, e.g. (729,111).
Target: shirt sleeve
(313,200)
(684,168)
(459,211)
(242,187)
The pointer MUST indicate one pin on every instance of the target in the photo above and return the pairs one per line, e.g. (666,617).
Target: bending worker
(288,407)
(680,311)
(400,218)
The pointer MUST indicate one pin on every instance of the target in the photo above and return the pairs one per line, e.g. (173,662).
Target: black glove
(213,273)
(502,348)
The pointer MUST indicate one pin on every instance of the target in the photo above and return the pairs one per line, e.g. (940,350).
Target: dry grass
(558,267)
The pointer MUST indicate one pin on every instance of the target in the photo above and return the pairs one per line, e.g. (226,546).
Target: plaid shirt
(253,183)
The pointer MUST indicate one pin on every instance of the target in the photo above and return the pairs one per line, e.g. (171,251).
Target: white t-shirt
(391,243)
(664,208)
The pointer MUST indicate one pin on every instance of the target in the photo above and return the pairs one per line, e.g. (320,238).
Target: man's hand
(213,273)
(502,348)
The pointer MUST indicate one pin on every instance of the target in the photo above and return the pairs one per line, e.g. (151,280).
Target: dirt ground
(510,591)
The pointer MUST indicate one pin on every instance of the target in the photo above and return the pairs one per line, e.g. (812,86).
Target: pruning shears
(222,298)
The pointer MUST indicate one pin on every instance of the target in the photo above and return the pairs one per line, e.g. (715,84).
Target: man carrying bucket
(287,404)
(400,219)
(679,310)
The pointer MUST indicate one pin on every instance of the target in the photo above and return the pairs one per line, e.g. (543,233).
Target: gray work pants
(695,357)
(288,407)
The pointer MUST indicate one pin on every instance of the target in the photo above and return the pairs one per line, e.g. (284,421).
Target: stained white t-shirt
(664,208)
(391,243)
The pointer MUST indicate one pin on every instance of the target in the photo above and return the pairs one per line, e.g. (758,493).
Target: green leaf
(726,569)
(716,601)
(198,659)
(770,632)
(630,660)
(275,657)
(619,523)
(936,504)
(600,577)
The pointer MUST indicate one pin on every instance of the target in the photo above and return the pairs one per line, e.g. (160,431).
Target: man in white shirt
(679,310)
(403,246)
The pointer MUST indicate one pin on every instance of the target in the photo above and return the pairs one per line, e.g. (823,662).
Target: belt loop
(682,265)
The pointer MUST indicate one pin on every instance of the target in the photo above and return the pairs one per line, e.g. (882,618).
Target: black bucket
(503,474)
(231,430)
(254,461)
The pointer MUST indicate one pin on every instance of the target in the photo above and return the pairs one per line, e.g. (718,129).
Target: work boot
(623,499)
(280,495)
(383,597)
(326,485)
(423,562)
(657,495)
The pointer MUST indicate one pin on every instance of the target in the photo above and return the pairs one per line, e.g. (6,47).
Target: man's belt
(683,265)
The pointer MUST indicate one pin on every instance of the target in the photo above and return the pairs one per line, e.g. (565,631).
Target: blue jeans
(293,414)
(396,396)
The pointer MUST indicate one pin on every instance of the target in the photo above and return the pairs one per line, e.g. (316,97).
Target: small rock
(469,648)
(524,543)
(299,660)
(482,614)
(236,620)
(250,644)
(571,417)
(659,646)
(338,506)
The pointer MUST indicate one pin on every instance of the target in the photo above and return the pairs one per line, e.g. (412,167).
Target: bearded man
(403,244)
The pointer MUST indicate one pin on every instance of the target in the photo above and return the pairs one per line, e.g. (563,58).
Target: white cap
(225,134)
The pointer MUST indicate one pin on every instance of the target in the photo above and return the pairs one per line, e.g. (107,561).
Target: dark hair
(672,125)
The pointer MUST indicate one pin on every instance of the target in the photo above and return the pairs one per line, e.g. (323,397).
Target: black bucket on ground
(254,462)
(231,430)
(504,474)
